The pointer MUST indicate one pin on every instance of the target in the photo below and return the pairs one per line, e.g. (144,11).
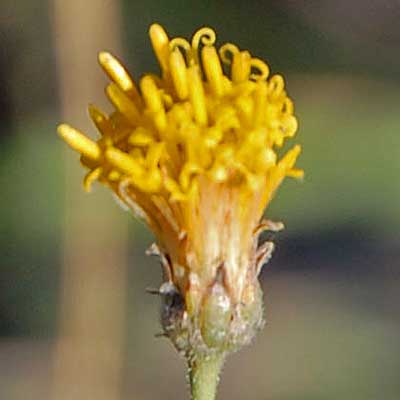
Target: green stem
(204,376)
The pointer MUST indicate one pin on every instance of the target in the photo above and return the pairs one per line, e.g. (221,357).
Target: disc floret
(194,153)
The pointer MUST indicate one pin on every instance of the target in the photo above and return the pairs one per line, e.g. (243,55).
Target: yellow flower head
(193,151)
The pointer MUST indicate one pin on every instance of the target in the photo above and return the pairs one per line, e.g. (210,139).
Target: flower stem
(204,374)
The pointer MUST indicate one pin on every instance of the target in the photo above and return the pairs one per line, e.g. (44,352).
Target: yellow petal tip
(103,56)
(79,142)
(63,129)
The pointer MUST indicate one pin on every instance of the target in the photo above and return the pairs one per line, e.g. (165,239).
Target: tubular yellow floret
(154,155)
(227,51)
(260,104)
(91,177)
(213,69)
(140,137)
(179,74)
(288,106)
(241,66)
(196,94)
(276,86)
(123,103)
(123,162)
(205,36)
(261,68)
(151,94)
(100,120)
(153,101)
(79,142)
(290,157)
(290,125)
(115,71)
(159,40)
(296,173)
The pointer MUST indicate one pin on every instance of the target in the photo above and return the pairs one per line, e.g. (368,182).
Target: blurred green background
(332,289)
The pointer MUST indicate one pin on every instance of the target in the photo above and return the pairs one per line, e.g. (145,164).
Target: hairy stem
(204,374)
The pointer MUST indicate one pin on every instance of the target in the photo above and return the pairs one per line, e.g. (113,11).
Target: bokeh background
(75,321)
